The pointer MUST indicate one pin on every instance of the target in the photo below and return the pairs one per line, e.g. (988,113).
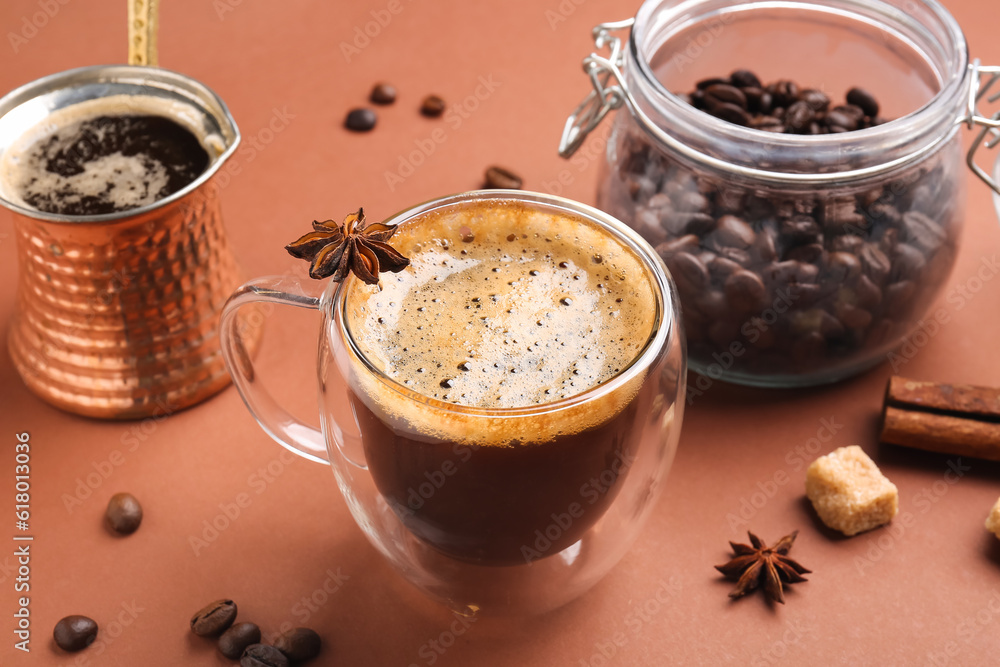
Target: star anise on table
(762,566)
(335,249)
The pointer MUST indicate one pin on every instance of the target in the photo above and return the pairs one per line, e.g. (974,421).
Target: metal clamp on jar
(800,259)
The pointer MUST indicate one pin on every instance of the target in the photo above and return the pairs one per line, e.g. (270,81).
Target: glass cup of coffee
(500,415)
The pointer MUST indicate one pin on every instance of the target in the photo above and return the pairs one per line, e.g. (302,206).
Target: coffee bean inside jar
(788,281)
(808,228)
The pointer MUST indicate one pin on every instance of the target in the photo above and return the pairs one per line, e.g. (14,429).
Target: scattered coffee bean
(262,655)
(432,106)
(299,644)
(383,93)
(360,120)
(237,638)
(124,513)
(75,633)
(498,177)
(214,618)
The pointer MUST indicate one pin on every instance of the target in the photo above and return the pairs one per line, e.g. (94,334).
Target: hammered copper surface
(119,319)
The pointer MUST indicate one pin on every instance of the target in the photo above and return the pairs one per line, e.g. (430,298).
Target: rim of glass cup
(911,136)
(335,295)
(173,85)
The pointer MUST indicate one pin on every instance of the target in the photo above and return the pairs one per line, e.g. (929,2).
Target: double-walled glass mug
(512,509)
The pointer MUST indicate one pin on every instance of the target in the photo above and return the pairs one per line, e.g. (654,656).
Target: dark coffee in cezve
(106,163)
(502,307)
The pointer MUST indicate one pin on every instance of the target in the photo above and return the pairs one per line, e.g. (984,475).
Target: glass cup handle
(277,422)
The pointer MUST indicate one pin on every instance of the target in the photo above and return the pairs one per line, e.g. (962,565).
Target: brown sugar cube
(993,520)
(849,492)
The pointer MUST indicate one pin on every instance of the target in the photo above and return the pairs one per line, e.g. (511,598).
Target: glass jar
(800,259)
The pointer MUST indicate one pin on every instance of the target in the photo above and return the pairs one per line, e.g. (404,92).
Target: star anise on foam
(335,249)
(759,564)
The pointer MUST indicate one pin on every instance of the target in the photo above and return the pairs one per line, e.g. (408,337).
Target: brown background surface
(925,591)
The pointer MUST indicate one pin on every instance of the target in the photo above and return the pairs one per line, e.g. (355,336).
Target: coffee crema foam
(113,178)
(535,308)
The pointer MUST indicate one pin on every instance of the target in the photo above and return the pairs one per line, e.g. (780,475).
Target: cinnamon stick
(950,419)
